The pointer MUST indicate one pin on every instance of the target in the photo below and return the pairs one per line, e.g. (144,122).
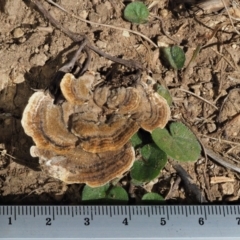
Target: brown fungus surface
(86,139)
(79,166)
(43,121)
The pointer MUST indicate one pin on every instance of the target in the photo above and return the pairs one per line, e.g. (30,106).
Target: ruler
(120,222)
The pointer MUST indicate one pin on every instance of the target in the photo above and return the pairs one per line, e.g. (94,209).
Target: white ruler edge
(200,222)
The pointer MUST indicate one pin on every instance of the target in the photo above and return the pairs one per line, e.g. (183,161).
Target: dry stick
(230,17)
(221,160)
(163,29)
(221,140)
(224,58)
(195,53)
(79,37)
(102,24)
(190,187)
(184,90)
(206,159)
(174,186)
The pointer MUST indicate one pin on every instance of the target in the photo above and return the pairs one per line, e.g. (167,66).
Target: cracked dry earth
(32,50)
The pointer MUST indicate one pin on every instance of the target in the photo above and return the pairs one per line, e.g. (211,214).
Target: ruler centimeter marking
(120,222)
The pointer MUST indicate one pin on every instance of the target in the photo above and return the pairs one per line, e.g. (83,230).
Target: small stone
(83,14)
(46,47)
(22,40)
(163,13)
(211,127)
(125,33)
(18,32)
(101,44)
(38,59)
(36,50)
(19,79)
(228,188)
(13,47)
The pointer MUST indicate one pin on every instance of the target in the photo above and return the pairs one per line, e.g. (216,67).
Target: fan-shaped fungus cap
(85,140)
(77,91)
(79,166)
(104,136)
(43,121)
(153,110)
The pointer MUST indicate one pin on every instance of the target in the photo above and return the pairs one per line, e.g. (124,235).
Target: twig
(184,90)
(221,160)
(190,187)
(224,58)
(222,140)
(163,29)
(230,17)
(195,53)
(76,37)
(174,186)
(102,24)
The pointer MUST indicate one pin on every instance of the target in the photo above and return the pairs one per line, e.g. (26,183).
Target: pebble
(101,44)
(126,33)
(19,79)
(38,59)
(163,13)
(227,188)
(18,32)
(22,40)
(83,14)
(211,127)
(46,47)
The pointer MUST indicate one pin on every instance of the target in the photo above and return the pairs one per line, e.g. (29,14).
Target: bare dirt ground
(31,51)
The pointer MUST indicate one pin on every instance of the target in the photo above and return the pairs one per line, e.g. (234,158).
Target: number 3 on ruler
(86,221)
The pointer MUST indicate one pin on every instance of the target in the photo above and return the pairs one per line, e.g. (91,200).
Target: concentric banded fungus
(153,110)
(43,121)
(85,140)
(77,91)
(79,166)
(104,137)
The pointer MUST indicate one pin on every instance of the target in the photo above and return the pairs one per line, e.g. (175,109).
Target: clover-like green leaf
(180,143)
(117,193)
(136,139)
(152,162)
(162,91)
(89,193)
(136,12)
(152,197)
(105,194)
(174,56)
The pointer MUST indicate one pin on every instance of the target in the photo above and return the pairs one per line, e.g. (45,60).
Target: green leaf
(94,193)
(152,197)
(136,12)
(162,91)
(174,56)
(117,193)
(105,194)
(180,143)
(150,166)
(136,183)
(136,140)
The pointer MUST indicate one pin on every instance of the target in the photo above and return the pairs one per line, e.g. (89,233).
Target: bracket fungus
(85,139)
